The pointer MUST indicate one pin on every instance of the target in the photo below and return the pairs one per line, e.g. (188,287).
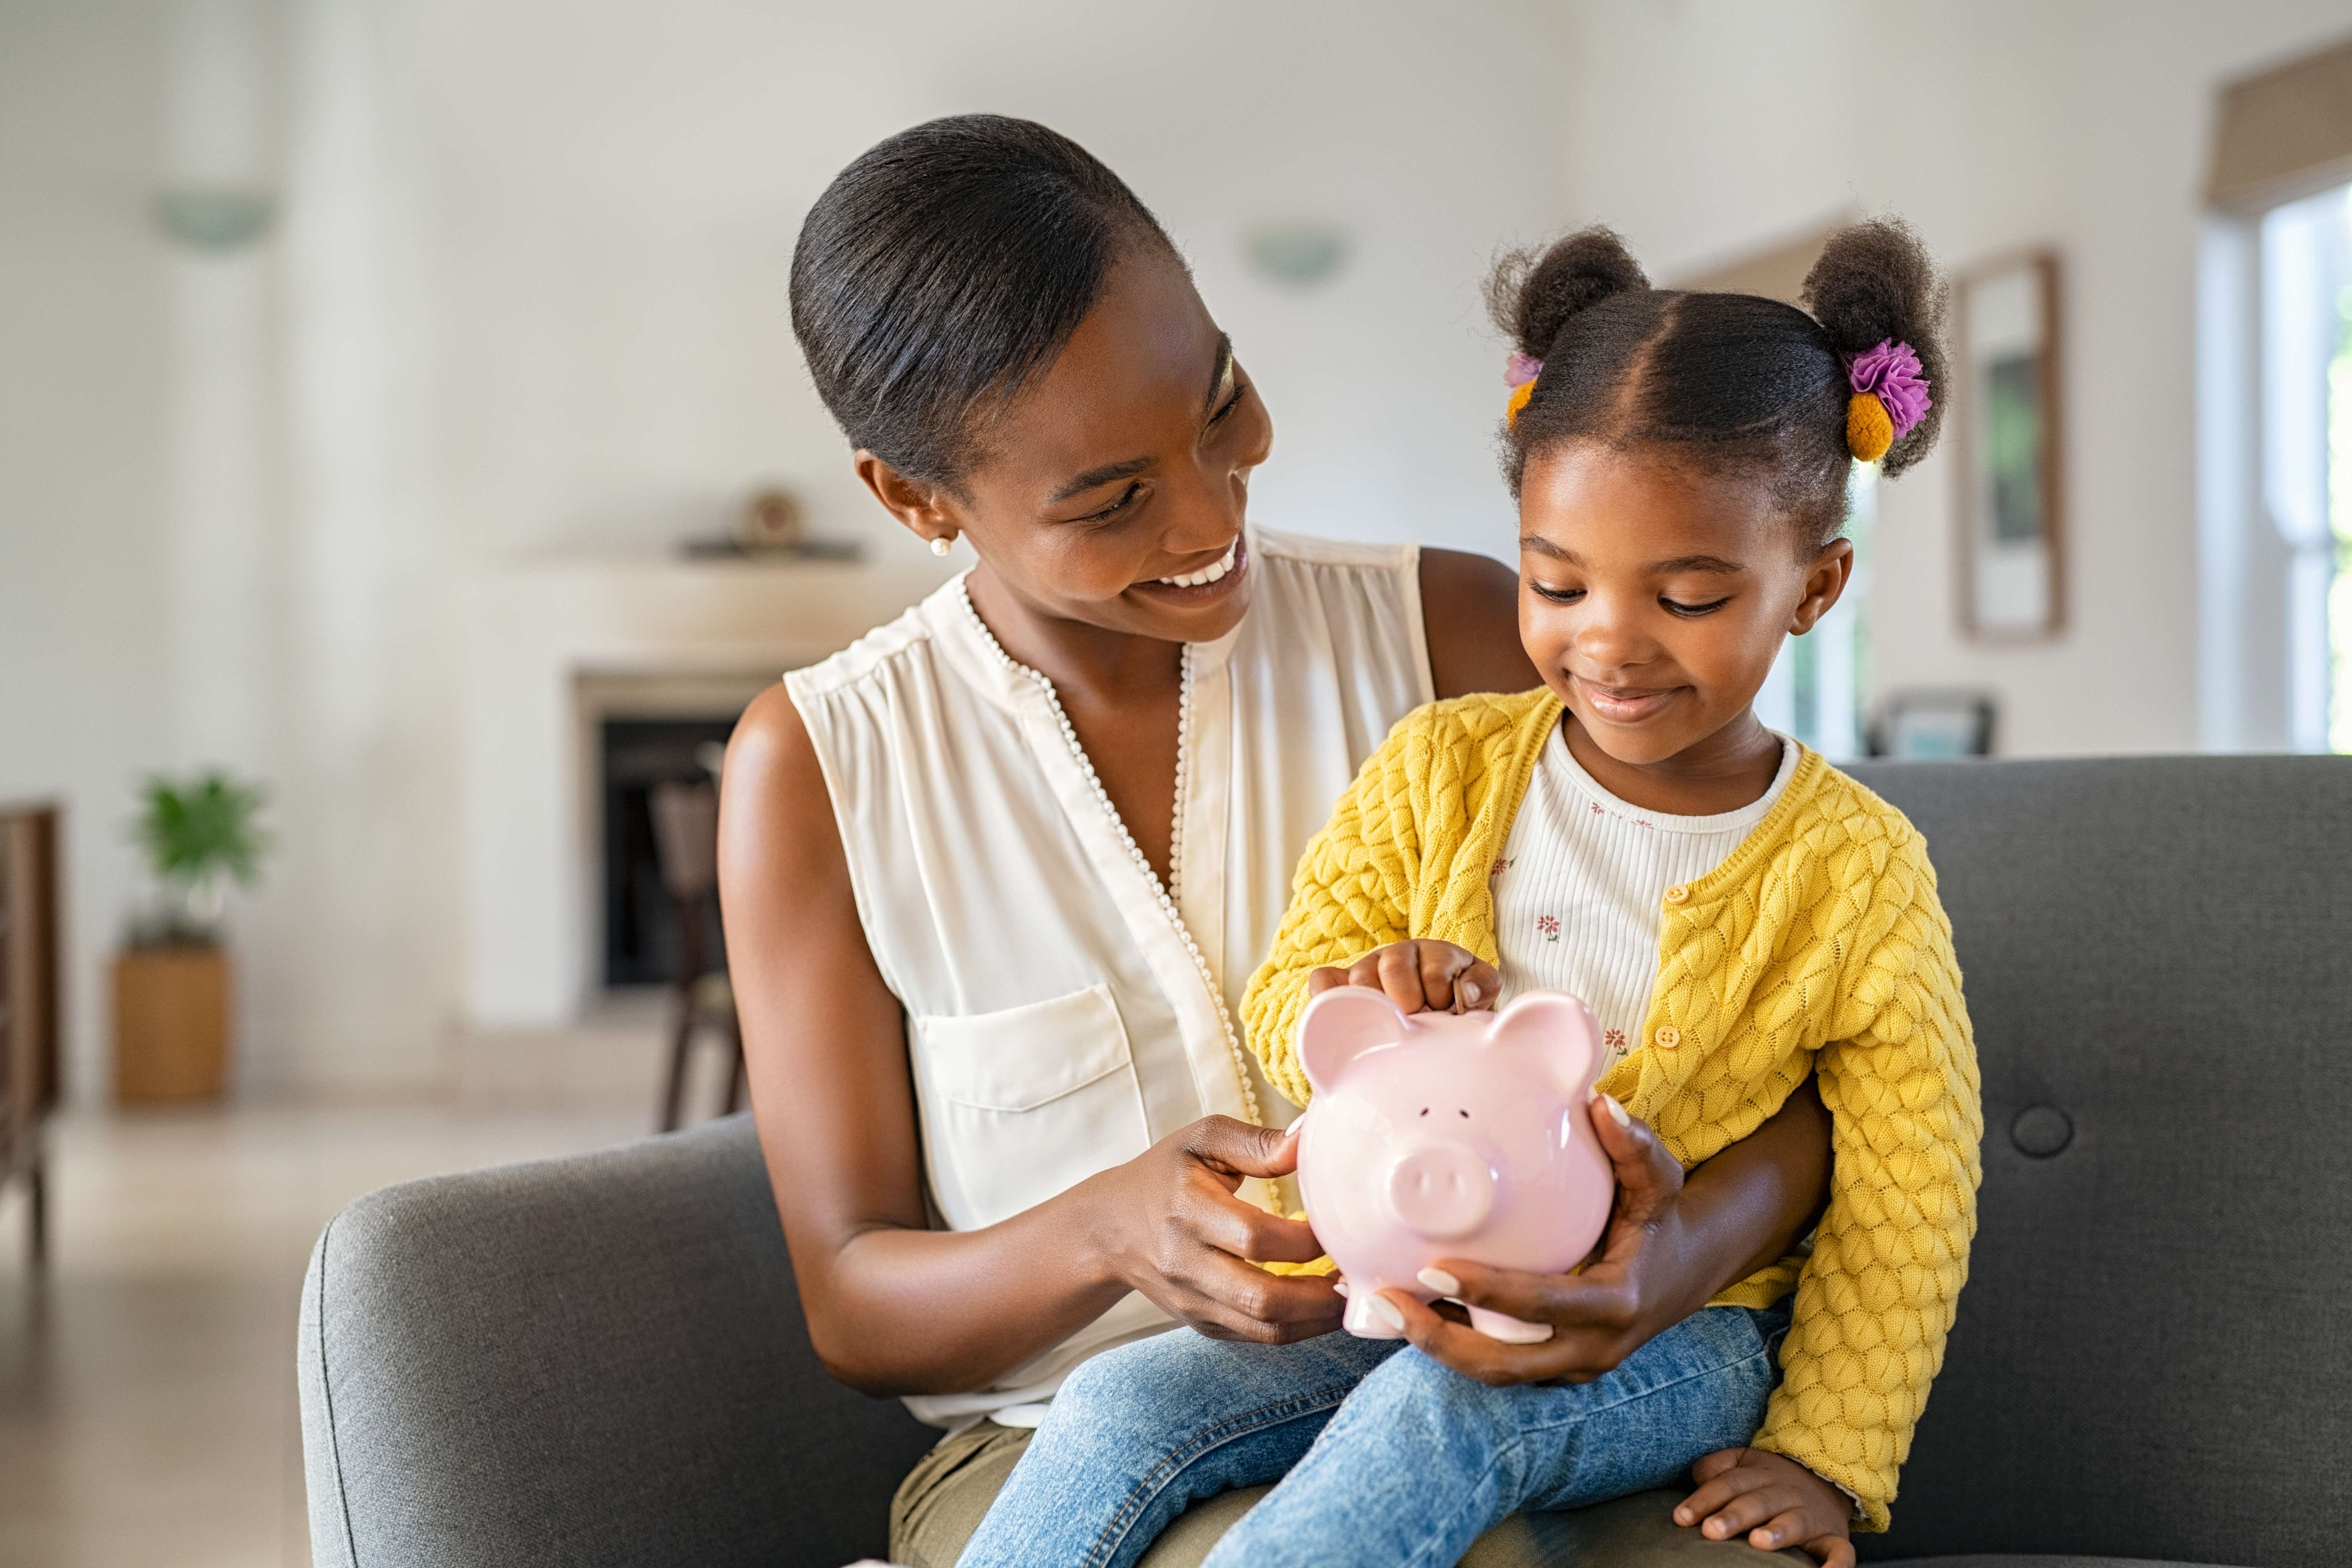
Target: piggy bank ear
(1558,1027)
(1340,1025)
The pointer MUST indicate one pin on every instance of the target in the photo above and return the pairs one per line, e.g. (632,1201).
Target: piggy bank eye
(1425,1110)
(1465,1116)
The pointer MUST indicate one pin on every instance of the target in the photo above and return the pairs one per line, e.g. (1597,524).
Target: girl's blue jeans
(1383,1454)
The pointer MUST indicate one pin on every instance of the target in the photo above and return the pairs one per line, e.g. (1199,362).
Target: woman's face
(1121,471)
(1653,599)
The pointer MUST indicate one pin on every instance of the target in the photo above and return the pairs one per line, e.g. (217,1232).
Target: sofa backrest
(2154,1351)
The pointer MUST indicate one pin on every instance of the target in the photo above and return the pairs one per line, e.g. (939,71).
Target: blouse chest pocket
(1022,1104)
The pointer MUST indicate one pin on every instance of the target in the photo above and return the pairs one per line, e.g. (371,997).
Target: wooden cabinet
(30,967)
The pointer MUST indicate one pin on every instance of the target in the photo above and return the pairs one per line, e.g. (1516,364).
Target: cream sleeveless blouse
(1064,1012)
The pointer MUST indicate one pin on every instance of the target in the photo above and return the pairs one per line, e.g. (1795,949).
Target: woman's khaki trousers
(940,1504)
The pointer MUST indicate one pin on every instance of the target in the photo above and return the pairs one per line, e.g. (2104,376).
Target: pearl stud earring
(943,543)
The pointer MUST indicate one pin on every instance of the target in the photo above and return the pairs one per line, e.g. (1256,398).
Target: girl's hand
(1418,976)
(1778,1501)
(1170,1226)
(1645,1279)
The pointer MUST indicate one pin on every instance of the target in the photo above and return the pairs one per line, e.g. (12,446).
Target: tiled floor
(147,1407)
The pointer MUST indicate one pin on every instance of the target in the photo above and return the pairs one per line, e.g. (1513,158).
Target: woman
(996,875)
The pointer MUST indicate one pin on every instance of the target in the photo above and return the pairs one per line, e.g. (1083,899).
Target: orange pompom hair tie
(1869,428)
(1520,372)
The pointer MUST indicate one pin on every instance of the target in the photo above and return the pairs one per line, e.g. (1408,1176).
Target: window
(2305,453)
(1821,681)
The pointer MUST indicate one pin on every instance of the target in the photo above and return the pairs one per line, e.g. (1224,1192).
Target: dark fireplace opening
(641,921)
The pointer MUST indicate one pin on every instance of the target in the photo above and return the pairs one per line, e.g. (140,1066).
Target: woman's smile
(1211,582)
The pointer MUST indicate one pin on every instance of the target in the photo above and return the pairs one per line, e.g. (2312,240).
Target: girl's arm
(894,1306)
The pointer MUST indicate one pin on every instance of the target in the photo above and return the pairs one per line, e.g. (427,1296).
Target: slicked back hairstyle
(942,270)
(1722,383)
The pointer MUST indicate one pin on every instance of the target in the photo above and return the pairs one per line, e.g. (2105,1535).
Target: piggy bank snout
(1440,1189)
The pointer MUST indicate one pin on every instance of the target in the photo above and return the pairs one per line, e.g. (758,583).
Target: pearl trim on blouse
(1165,892)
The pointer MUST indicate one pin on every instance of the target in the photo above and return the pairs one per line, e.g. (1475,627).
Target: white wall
(1704,129)
(85,483)
(527,298)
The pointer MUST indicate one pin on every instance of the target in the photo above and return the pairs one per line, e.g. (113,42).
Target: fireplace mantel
(540,632)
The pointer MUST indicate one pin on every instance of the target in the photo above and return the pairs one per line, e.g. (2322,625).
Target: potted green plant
(171,985)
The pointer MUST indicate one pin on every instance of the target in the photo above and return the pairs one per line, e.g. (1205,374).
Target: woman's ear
(919,505)
(1825,580)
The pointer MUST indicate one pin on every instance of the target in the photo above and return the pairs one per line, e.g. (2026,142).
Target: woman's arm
(893,1306)
(1470,614)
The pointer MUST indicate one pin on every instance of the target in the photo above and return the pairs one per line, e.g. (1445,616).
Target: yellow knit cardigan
(1818,946)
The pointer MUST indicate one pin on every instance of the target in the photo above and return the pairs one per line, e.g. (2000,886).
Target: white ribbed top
(1579,892)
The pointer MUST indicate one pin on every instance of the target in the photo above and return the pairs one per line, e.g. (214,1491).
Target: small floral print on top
(1548,925)
(1615,1041)
(1500,866)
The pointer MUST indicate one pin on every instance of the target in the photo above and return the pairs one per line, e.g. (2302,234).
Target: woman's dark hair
(942,270)
(1721,382)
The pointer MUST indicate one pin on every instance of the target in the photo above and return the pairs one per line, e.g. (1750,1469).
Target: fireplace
(582,665)
(640,917)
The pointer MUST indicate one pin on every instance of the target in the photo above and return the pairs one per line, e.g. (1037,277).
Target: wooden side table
(31,947)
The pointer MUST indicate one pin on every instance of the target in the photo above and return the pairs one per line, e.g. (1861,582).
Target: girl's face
(1653,599)
(1124,464)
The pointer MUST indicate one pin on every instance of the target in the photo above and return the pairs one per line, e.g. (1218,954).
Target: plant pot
(171,1023)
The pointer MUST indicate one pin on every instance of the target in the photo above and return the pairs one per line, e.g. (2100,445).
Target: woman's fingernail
(1439,1280)
(1386,1312)
(1470,992)
(1340,1286)
(1616,1111)
(1681,1516)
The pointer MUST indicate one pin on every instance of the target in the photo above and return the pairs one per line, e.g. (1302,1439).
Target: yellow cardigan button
(1678,894)
(1668,1036)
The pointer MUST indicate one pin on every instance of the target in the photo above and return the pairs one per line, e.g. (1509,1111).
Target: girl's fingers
(1832,1551)
(1750,1511)
(1478,986)
(1710,1465)
(1720,1491)
(1440,964)
(1399,967)
(1793,1525)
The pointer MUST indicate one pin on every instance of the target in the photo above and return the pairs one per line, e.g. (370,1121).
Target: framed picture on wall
(2011,513)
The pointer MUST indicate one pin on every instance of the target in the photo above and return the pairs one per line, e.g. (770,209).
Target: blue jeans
(1383,1455)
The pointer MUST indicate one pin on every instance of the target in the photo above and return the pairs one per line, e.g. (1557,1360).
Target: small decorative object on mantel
(2012,583)
(1932,726)
(171,984)
(773,525)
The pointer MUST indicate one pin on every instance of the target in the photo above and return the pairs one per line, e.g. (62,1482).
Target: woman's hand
(1778,1501)
(1172,1228)
(1646,1277)
(1418,976)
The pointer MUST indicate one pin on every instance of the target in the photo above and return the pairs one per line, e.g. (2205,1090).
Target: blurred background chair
(685,842)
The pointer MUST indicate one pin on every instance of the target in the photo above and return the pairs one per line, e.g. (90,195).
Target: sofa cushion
(2149,1358)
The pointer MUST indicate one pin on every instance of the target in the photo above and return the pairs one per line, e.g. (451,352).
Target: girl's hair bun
(1876,283)
(1530,295)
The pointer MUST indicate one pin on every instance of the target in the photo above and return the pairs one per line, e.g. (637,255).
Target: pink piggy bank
(1433,1136)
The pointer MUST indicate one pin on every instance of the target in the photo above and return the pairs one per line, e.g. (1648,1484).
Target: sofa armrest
(590,1361)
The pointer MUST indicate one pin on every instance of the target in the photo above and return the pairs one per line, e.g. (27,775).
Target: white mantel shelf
(534,629)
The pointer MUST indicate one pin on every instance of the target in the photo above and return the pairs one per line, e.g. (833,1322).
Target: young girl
(1738,913)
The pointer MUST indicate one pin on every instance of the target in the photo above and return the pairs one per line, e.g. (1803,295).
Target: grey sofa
(600,1361)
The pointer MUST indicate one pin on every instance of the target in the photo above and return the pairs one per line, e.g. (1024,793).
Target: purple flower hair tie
(1891,372)
(1520,369)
